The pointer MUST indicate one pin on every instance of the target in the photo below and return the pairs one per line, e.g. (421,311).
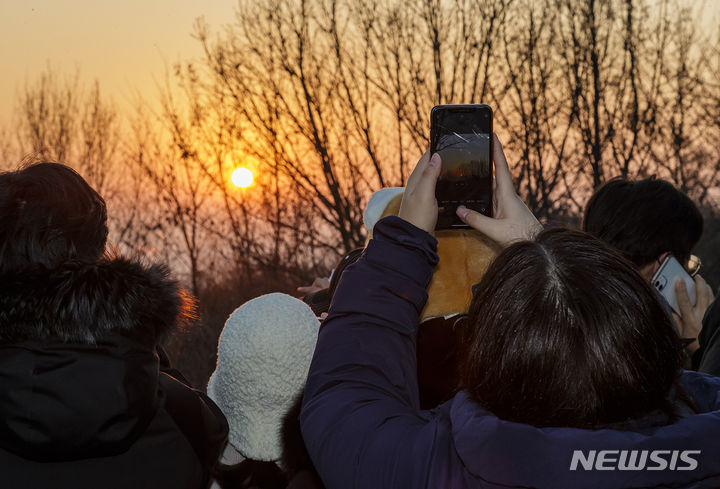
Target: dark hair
(644,219)
(49,215)
(563,331)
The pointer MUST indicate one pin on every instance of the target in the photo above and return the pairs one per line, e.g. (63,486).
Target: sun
(242,177)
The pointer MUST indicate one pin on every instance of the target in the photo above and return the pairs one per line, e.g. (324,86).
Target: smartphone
(462,136)
(664,281)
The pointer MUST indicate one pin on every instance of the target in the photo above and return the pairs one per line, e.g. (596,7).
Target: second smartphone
(664,281)
(462,136)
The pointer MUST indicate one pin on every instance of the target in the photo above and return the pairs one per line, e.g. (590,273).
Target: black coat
(298,473)
(707,358)
(84,401)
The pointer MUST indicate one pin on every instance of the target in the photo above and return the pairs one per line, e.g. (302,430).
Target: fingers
(492,228)
(429,176)
(496,211)
(678,320)
(683,300)
(322,282)
(318,284)
(419,168)
(503,176)
(703,292)
(474,219)
(309,289)
(424,177)
(686,319)
(419,206)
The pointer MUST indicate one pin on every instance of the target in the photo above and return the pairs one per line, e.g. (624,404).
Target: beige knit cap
(264,355)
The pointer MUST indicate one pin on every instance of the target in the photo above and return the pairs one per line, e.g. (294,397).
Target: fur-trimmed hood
(80,303)
(77,357)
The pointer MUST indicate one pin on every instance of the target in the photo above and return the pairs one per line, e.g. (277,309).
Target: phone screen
(462,135)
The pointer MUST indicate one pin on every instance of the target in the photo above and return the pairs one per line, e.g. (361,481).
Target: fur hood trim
(80,303)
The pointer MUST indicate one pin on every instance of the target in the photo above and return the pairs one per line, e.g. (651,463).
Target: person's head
(264,354)
(563,331)
(644,219)
(49,215)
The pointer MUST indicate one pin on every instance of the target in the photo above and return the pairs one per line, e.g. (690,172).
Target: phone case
(664,282)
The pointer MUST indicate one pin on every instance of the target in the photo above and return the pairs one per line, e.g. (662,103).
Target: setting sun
(242,177)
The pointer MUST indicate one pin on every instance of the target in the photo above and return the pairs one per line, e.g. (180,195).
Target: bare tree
(284,91)
(334,96)
(613,99)
(58,119)
(264,227)
(48,115)
(7,149)
(531,110)
(710,114)
(329,100)
(682,151)
(96,155)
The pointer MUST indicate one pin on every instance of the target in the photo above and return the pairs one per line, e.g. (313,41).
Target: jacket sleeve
(360,419)
(199,419)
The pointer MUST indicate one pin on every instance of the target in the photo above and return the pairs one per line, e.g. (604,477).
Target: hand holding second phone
(689,321)
(512,220)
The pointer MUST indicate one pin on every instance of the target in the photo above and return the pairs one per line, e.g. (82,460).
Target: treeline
(328,100)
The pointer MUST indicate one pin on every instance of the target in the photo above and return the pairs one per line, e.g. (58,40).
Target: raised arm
(361,411)
(360,419)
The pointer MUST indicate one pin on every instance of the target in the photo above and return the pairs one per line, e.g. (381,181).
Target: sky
(125,45)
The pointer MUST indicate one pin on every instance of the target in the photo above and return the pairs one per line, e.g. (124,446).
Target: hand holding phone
(690,319)
(512,220)
(418,206)
(664,280)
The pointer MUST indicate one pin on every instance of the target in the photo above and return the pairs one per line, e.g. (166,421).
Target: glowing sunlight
(242,177)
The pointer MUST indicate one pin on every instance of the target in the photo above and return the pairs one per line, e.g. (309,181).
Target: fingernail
(435,160)
(462,211)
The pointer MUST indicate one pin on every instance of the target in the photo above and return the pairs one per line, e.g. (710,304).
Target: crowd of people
(569,370)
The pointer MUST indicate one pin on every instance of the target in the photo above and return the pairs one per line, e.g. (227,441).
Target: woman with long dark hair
(571,374)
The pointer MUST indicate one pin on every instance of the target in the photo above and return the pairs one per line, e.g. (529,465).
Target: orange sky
(124,44)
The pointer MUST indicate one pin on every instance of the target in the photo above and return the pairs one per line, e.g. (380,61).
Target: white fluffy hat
(264,354)
(378,203)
